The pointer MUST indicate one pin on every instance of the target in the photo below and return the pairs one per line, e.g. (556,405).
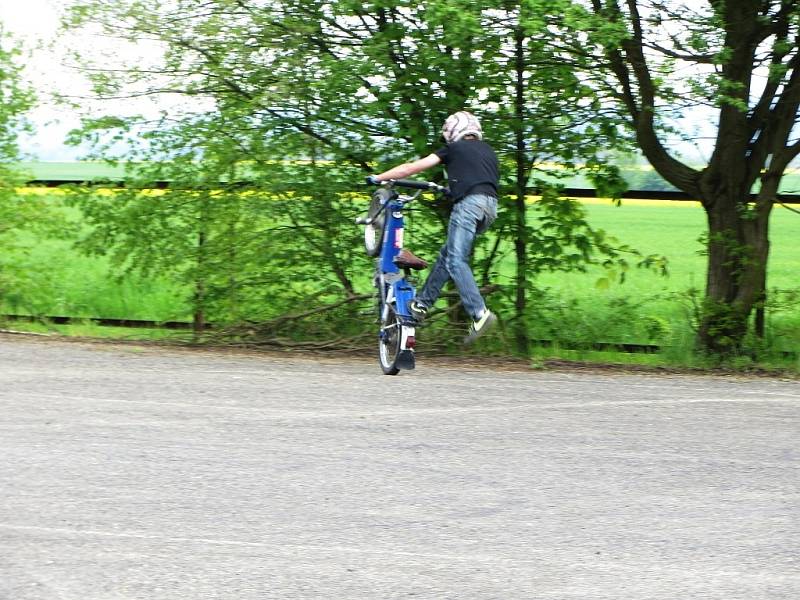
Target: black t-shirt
(471,168)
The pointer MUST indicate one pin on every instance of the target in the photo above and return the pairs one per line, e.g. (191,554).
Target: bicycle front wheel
(389,344)
(373,233)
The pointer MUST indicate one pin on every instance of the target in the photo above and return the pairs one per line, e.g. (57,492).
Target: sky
(34,23)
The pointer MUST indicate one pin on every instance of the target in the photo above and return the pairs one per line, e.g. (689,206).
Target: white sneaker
(417,310)
(481,326)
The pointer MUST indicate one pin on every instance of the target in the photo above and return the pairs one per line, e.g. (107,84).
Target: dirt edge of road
(461,362)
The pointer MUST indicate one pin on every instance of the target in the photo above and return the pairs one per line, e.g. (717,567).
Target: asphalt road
(130,472)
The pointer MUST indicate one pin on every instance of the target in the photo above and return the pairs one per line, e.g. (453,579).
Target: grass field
(638,176)
(67,283)
(69,171)
(61,281)
(673,229)
(652,227)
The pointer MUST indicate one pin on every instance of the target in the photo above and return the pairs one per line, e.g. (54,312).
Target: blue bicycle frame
(397,332)
(400,288)
(397,337)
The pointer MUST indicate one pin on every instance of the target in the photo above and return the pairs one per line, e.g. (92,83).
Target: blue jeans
(471,216)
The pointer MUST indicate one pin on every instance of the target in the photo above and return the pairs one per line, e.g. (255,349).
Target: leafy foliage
(298,100)
(737,63)
(17,212)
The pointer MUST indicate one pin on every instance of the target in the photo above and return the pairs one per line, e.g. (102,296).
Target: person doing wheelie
(472,173)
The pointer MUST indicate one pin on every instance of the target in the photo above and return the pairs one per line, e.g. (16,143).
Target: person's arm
(409,169)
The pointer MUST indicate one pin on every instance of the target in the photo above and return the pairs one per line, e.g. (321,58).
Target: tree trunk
(521,337)
(754,141)
(199,300)
(738,247)
(200,290)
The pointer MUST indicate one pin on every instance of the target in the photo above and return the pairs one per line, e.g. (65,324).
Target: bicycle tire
(389,342)
(373,232)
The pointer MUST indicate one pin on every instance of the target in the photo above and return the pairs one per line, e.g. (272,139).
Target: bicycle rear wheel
(389,343)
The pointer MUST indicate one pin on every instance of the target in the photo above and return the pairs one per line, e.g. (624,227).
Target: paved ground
(128,472)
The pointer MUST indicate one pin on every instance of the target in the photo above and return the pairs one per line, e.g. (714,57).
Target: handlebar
(409,183)
(418,185)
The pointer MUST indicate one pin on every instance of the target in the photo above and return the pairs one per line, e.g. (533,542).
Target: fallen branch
(263,334)
(283,319)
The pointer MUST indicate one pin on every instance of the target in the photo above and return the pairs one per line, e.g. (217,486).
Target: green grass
(61,281)
(82,171)
(64,282)
(91,330)
(637,176)
(673,230)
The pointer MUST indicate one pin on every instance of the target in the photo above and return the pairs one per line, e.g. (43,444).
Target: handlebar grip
(411,183)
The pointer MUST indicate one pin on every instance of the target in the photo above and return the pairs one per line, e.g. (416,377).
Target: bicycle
(383,239)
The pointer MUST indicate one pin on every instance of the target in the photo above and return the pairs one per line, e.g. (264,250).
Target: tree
(550,125)
(737,60)
(241,247)
(16,98)
(17,212)
(242,117)
(358,84)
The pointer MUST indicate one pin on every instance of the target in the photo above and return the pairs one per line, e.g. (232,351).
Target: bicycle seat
(405,259)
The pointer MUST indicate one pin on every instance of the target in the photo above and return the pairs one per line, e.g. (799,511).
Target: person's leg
(435,281)
(468,219)
(470,216)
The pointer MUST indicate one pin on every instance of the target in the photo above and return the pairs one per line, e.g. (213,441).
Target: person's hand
(373,180)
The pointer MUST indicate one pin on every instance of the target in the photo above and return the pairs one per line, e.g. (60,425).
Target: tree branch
(642,109)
